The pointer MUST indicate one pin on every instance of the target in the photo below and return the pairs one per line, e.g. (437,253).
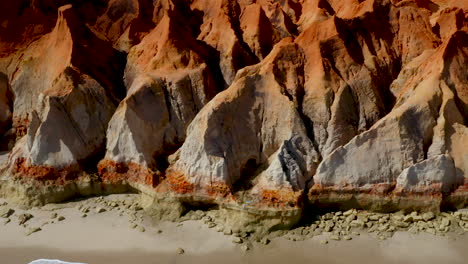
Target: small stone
(444,214)
(100,210)
(84,215)
(245,247)
(53,215)
(428,216)
(401,224)
(159,231)
(237,240)
(141,229)
(23,218)
(357,223)
(180,251)
(6,221)
(350,218)
(335,237)
(413,230)
(265,241)
(381,238)
(6,212)
(363,218)
(445,222)
(349,212)
(374,217)
(211,225)
(133,225)
(347,238)
(408,219)
(227,231)
(33,230)
(356,234)
(431,231)
(373,228)
(61,218)
(327,216)
(323,242)
(383,227)
(461,224)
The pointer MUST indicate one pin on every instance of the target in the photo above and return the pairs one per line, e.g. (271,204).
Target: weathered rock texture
(261,107)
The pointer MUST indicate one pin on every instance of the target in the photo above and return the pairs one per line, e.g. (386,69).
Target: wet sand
(111,237)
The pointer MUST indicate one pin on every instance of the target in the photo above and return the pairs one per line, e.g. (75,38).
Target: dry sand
(109,237)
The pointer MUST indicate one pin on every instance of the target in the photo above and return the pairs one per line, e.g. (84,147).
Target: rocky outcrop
(169,81)
(275,161)
(66,102)
(263,108)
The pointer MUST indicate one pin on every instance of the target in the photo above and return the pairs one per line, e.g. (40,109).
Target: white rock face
(135,131)
(379,155)
(167,86)
(436,174)
(212,152)
(154,116)
(241,128)
(459,151)
(69,128)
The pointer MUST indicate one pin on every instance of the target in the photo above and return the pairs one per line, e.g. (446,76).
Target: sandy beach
(125,235)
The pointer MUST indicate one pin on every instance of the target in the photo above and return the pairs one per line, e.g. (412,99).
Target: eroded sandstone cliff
(264,108)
